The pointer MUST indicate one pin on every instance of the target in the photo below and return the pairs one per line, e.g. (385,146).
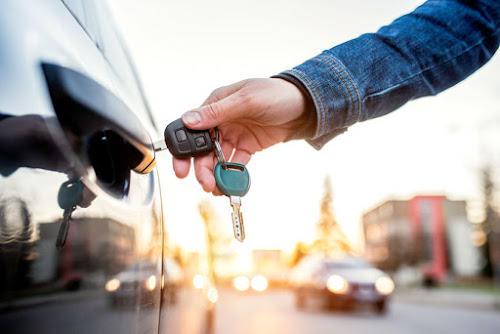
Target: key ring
(218,149)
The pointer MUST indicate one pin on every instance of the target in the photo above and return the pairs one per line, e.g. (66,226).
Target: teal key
(69,196)
(234,181)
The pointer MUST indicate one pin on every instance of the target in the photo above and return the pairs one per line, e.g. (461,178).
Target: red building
(428,232)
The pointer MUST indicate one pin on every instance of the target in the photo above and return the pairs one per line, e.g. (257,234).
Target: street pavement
(274,312)
(271,312)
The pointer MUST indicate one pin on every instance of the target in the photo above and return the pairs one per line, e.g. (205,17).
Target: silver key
(218,149)
(64,228)
(237,217)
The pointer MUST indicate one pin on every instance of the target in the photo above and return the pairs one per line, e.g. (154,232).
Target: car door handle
(86,107)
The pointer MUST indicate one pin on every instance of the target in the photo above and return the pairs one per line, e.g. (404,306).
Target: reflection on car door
(43,289)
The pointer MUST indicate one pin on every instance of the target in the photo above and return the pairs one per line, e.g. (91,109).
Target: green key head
(233,180)
(70,194)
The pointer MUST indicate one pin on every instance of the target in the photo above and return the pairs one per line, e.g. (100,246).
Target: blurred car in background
(137,281)
(342,282)
(258,283)
(72,108)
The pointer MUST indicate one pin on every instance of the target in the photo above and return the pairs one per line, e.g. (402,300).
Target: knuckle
(247,97)
(213,110)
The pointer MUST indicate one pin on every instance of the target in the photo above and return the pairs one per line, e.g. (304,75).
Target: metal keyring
(218,149)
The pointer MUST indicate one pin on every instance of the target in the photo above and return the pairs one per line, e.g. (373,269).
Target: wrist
(305,123)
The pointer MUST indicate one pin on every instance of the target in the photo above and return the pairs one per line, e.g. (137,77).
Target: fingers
(241,156)
(212,115)
(87,197)
(204,169)
(223,105)
(181,167)
(204,172)
(223,92)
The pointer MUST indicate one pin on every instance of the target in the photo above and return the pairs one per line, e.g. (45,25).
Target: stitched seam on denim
(352,83)
(394,85)
(345,84)
(323,110)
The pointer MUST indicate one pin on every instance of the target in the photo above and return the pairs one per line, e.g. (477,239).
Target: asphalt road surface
(273,312)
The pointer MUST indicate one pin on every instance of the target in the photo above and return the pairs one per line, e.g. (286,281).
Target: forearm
(419,54)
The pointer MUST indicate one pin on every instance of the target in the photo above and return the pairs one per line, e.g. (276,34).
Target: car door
(63,117)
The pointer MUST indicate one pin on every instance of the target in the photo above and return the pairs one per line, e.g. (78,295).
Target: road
(273,313)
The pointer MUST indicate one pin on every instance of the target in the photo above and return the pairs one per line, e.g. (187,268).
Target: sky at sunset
(185,49)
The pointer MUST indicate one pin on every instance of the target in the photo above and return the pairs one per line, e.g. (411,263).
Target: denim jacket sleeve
(423,53)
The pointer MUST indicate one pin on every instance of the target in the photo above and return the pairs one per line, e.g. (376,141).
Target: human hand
(251,115)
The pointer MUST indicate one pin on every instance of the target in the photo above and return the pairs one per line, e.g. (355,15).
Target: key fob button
(184,147)
(183,142)
(181,135)
(200,142)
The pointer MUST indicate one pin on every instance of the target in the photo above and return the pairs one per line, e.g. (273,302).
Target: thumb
(213,114)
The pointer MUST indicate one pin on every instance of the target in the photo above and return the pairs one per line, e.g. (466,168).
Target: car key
(234,181)
(183,142)
(70,194)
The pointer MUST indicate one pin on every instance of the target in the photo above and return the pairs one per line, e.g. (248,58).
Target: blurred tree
(300,250)
(330,237)
(217,240)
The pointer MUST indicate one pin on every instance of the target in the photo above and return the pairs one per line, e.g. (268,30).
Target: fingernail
(191,118)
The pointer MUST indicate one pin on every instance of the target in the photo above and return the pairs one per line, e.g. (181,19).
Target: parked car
(72,108)
(343,282)
(137,281)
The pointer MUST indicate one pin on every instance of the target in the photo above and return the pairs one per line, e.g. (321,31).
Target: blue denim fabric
(423,53)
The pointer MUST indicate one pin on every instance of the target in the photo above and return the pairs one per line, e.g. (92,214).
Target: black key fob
(184,143)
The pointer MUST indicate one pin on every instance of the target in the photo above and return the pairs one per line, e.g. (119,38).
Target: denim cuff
(308,129)
(334,95)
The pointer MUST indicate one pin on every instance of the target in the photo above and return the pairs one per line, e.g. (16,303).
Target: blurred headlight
(112,285)
(384,285)
(241,283)
(337,284)
(151,283)
(259,283)
(198,281)
(213,295)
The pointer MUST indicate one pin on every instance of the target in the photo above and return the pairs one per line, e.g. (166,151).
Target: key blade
(159,146)
(238,227)
(237,218)
(63,228)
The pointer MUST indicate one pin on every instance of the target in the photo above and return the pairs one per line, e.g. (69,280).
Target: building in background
(89,255)
(428,233)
